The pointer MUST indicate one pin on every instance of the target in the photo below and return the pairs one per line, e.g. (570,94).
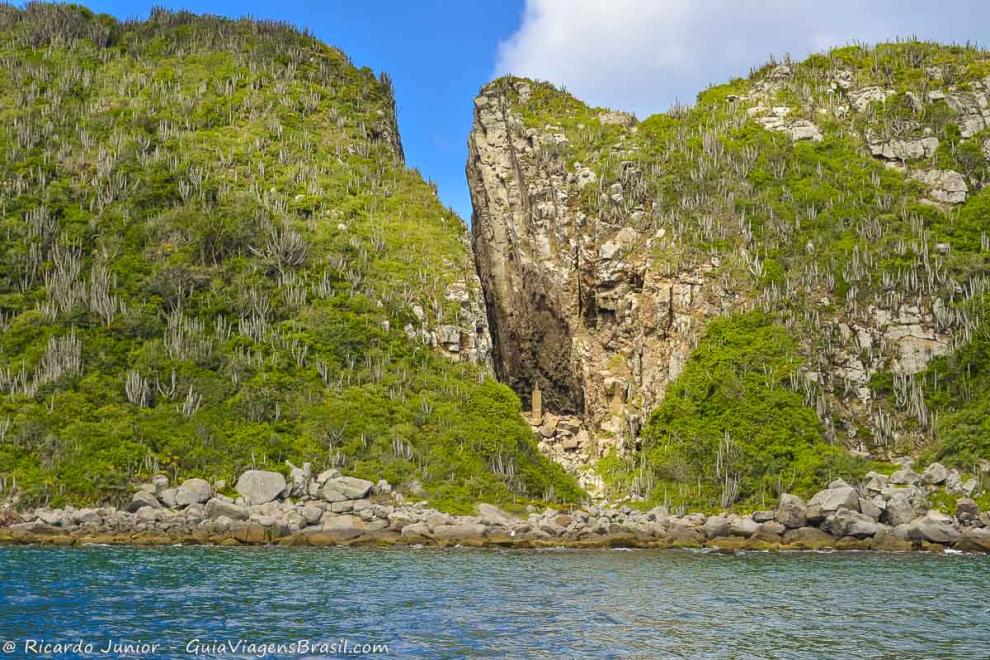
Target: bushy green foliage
(730,430)
(958,387)
(211,252)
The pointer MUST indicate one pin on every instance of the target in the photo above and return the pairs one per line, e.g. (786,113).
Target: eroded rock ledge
(885,513)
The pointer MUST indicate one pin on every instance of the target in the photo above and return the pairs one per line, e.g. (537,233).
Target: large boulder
(143,499)
(903,506)
(193,491)
(934,526)
(974,539)
(717,526)
(870,508)
(216,508)
(299,478)
(808,538)
(460,532)
(744,526)
(791,512)
(260,486)
(167,497)
(887,540)
(905,477)
(876,482)
(763,516)
(845,522)
(339,489)
(833,499)
(160,483)
(346,527)
(967,510)
(934,474)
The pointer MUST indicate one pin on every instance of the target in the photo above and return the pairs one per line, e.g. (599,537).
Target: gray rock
(717,526)
(344,527)
(160,482)
(86,516)
(868,508)
(845,522)
(744,526)
(311,514)
(975,539)
(299,479)
(260,486)
(832,499)
(459,532)
(808,535)
(416,531)
(167,497)
(338,489)
(327,475)
(902,150)
(791,512)
(772,528)
(947,186)
(58,517)
(193,491)
(763,516)
(969,487)
(148,514)
(967,510)
(905,477)
(492,515)
(935,474)
(217,507)
(953,481)
(815,514)
(142,499)
(904,506)
(342,506)
(382,487)
(903,531)
(802,129)
(935,527)
(876,482)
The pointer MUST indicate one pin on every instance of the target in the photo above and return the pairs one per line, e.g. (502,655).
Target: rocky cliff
(841,196)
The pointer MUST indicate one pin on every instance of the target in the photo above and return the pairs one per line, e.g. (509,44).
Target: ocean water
(189,601)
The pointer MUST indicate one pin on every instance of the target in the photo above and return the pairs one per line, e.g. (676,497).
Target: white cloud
(641,55)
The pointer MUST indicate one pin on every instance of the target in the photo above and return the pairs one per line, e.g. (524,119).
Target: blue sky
(638,55)
(438,52)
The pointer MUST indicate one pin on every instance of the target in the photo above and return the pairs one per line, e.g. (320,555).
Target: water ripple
(456,603)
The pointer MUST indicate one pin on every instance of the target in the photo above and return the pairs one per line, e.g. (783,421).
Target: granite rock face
(576,309)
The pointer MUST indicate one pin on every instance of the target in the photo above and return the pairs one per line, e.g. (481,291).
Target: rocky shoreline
(884,513)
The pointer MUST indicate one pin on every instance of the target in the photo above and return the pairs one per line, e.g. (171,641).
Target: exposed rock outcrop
(576,307)
(351,511)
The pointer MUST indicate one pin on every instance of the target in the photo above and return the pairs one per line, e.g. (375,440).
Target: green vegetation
(833,244)
(731,430)
(958,386)
(211,251)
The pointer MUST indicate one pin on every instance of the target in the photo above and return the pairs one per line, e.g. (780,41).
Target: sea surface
(189,601)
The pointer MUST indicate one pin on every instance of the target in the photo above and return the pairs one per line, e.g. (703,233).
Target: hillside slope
(831,211)
(213,258)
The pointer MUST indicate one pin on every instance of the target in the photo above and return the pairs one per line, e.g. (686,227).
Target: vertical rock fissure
(532,340)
